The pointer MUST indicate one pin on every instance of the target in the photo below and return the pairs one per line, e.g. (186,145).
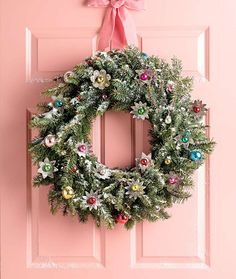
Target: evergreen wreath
(149,88)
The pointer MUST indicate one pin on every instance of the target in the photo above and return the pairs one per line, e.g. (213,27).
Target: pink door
(40,39)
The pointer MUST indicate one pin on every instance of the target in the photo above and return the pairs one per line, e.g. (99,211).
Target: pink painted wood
(40,39)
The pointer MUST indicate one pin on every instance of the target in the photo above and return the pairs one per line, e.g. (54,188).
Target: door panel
(42,39)
(52,51)
(190,44)
(188,241)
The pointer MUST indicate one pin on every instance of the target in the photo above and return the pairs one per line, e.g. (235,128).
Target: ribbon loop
(117,3)
(117,9)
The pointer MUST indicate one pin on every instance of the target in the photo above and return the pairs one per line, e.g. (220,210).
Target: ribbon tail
(107,29)
(129,29)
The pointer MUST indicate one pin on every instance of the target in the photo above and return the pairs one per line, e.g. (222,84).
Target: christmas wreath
(149,88)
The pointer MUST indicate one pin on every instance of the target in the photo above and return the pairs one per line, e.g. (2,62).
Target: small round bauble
(184,139)
(168,119)
(50,140)
(167,161)
(144,162)
(89,62)
(141,111)
(91,200)
(172,180)
(104,97)
(196,109)
(68,193)
(74,169)
(145,55)
(144,76)
(58,103)
(135,187)
(121,218)
(195,155)
(47,167)
(100,79)
(82,147)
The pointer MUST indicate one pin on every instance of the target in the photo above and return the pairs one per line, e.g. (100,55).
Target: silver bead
(168,119)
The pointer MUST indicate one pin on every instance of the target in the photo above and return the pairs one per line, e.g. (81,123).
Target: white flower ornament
(140,111)
(100,79)
(135,189)
(145,161)
(82,148)
(91,200)
(102,171)
(47,168)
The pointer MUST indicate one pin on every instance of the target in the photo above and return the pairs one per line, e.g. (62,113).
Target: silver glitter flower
(82,148)
(91,200)
(56,105)
(184,139)
(145,75)
(140,110)
(198,109)
(70,77)
(100,79)
(148,75)
(57,102)
(102,171)
(145,161)
(47,168)
(172,179)
(50,114)
(54,110)
(135,189)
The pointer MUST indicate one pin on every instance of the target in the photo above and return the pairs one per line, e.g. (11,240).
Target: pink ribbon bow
(119,20)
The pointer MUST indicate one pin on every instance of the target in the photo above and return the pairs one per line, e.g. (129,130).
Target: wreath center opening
(122,140)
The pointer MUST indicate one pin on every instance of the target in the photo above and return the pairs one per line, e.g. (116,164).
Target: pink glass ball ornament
(144,76)
(104,97)
(172,180)
(50,140)
(82,148)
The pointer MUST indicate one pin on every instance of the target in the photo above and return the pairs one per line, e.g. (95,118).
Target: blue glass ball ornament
(145,55)
(58,103)
(195,155)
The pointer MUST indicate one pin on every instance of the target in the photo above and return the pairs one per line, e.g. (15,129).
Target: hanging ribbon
(117,9)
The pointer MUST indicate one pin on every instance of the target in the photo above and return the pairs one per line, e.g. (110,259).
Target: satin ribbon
(117,16)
